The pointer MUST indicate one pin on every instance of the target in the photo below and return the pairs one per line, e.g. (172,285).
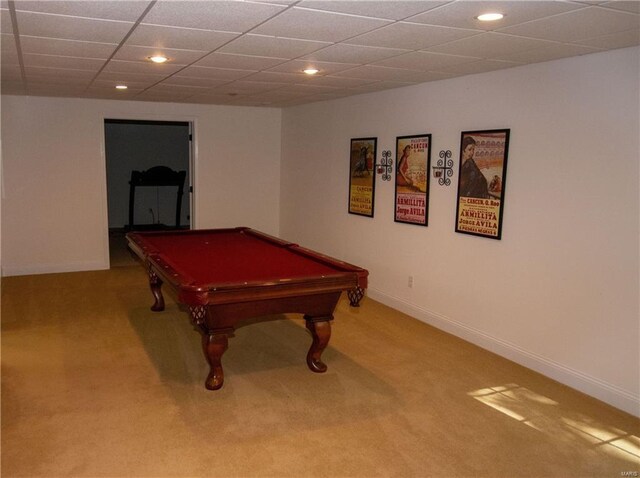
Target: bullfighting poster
(362,178)
(481,181)
(413,162)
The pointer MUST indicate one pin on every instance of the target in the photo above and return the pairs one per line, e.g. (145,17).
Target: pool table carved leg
(155,283)
(214,344)
(355,296)
(320,328)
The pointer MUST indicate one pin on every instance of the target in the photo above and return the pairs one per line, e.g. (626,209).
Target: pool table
(225,276)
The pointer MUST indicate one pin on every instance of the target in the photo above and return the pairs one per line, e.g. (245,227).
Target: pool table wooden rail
(190,292)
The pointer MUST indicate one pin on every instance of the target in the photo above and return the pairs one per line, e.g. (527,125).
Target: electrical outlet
(410,282)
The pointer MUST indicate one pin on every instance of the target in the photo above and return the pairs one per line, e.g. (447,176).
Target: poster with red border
(413,163)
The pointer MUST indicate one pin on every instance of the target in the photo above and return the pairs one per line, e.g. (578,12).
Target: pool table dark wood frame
(216,309)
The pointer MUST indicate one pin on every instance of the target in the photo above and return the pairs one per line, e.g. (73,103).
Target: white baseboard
(594,387)
(8,271)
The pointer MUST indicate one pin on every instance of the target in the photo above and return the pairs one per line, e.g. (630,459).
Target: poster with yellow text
(413,162)
(362,178)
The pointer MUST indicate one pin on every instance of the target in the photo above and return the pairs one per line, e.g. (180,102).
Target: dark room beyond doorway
(148,179)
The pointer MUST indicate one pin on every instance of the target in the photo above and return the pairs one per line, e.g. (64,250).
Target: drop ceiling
(252,53)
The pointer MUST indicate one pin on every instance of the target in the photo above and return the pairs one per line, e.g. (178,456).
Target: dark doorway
(148,179)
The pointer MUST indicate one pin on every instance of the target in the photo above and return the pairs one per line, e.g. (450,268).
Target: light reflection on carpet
(547,416)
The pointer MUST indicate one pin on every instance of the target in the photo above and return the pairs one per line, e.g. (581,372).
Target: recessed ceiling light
(311,71)
(490,17)
(158,58)
(121,87)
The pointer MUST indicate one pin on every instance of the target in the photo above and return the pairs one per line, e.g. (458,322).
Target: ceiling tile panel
(490,45)
(613,41)
(57,75)
(577,25)
(163,96)
(632,6)
(98,91)
(296,66)
(391,10)
(379,86)
(338,82)
(277,2)
(142,53)
(177,89)
(230,16)
(276,77)
(275,96)
(9,53)
(247,87)
(11,72)
(53,46)
(125,10)
(131,84)
(67,62)
(328,96)
(180,38)
(425,61)
(240,62)
(311,89)
(142,67)
(188,81)
(207,98)
(269,46)
(12,87)
(254,50)
(342,53)
(376,73)
(47,89)
(5,21)
(462,14)
(128,78)
(411,36)
(70,28)
(318,25)
(214,73)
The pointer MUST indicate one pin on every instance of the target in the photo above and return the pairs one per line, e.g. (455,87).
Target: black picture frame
(362,176)
(412,181)
(482,175)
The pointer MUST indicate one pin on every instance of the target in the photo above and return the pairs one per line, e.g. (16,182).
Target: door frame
(193,165)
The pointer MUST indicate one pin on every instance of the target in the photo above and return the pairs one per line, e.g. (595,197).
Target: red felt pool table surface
(216,260)
(228,256)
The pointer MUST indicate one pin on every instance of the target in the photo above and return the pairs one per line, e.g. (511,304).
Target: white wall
(54,212)
(559,293)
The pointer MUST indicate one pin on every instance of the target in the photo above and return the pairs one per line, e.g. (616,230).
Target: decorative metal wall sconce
(444,168)
(385,166)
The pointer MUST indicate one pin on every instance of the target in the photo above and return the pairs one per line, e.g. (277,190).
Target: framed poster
(413,163)
(362,178)
(481,180)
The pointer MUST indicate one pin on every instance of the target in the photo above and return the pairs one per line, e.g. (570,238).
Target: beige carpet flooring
(94,384)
